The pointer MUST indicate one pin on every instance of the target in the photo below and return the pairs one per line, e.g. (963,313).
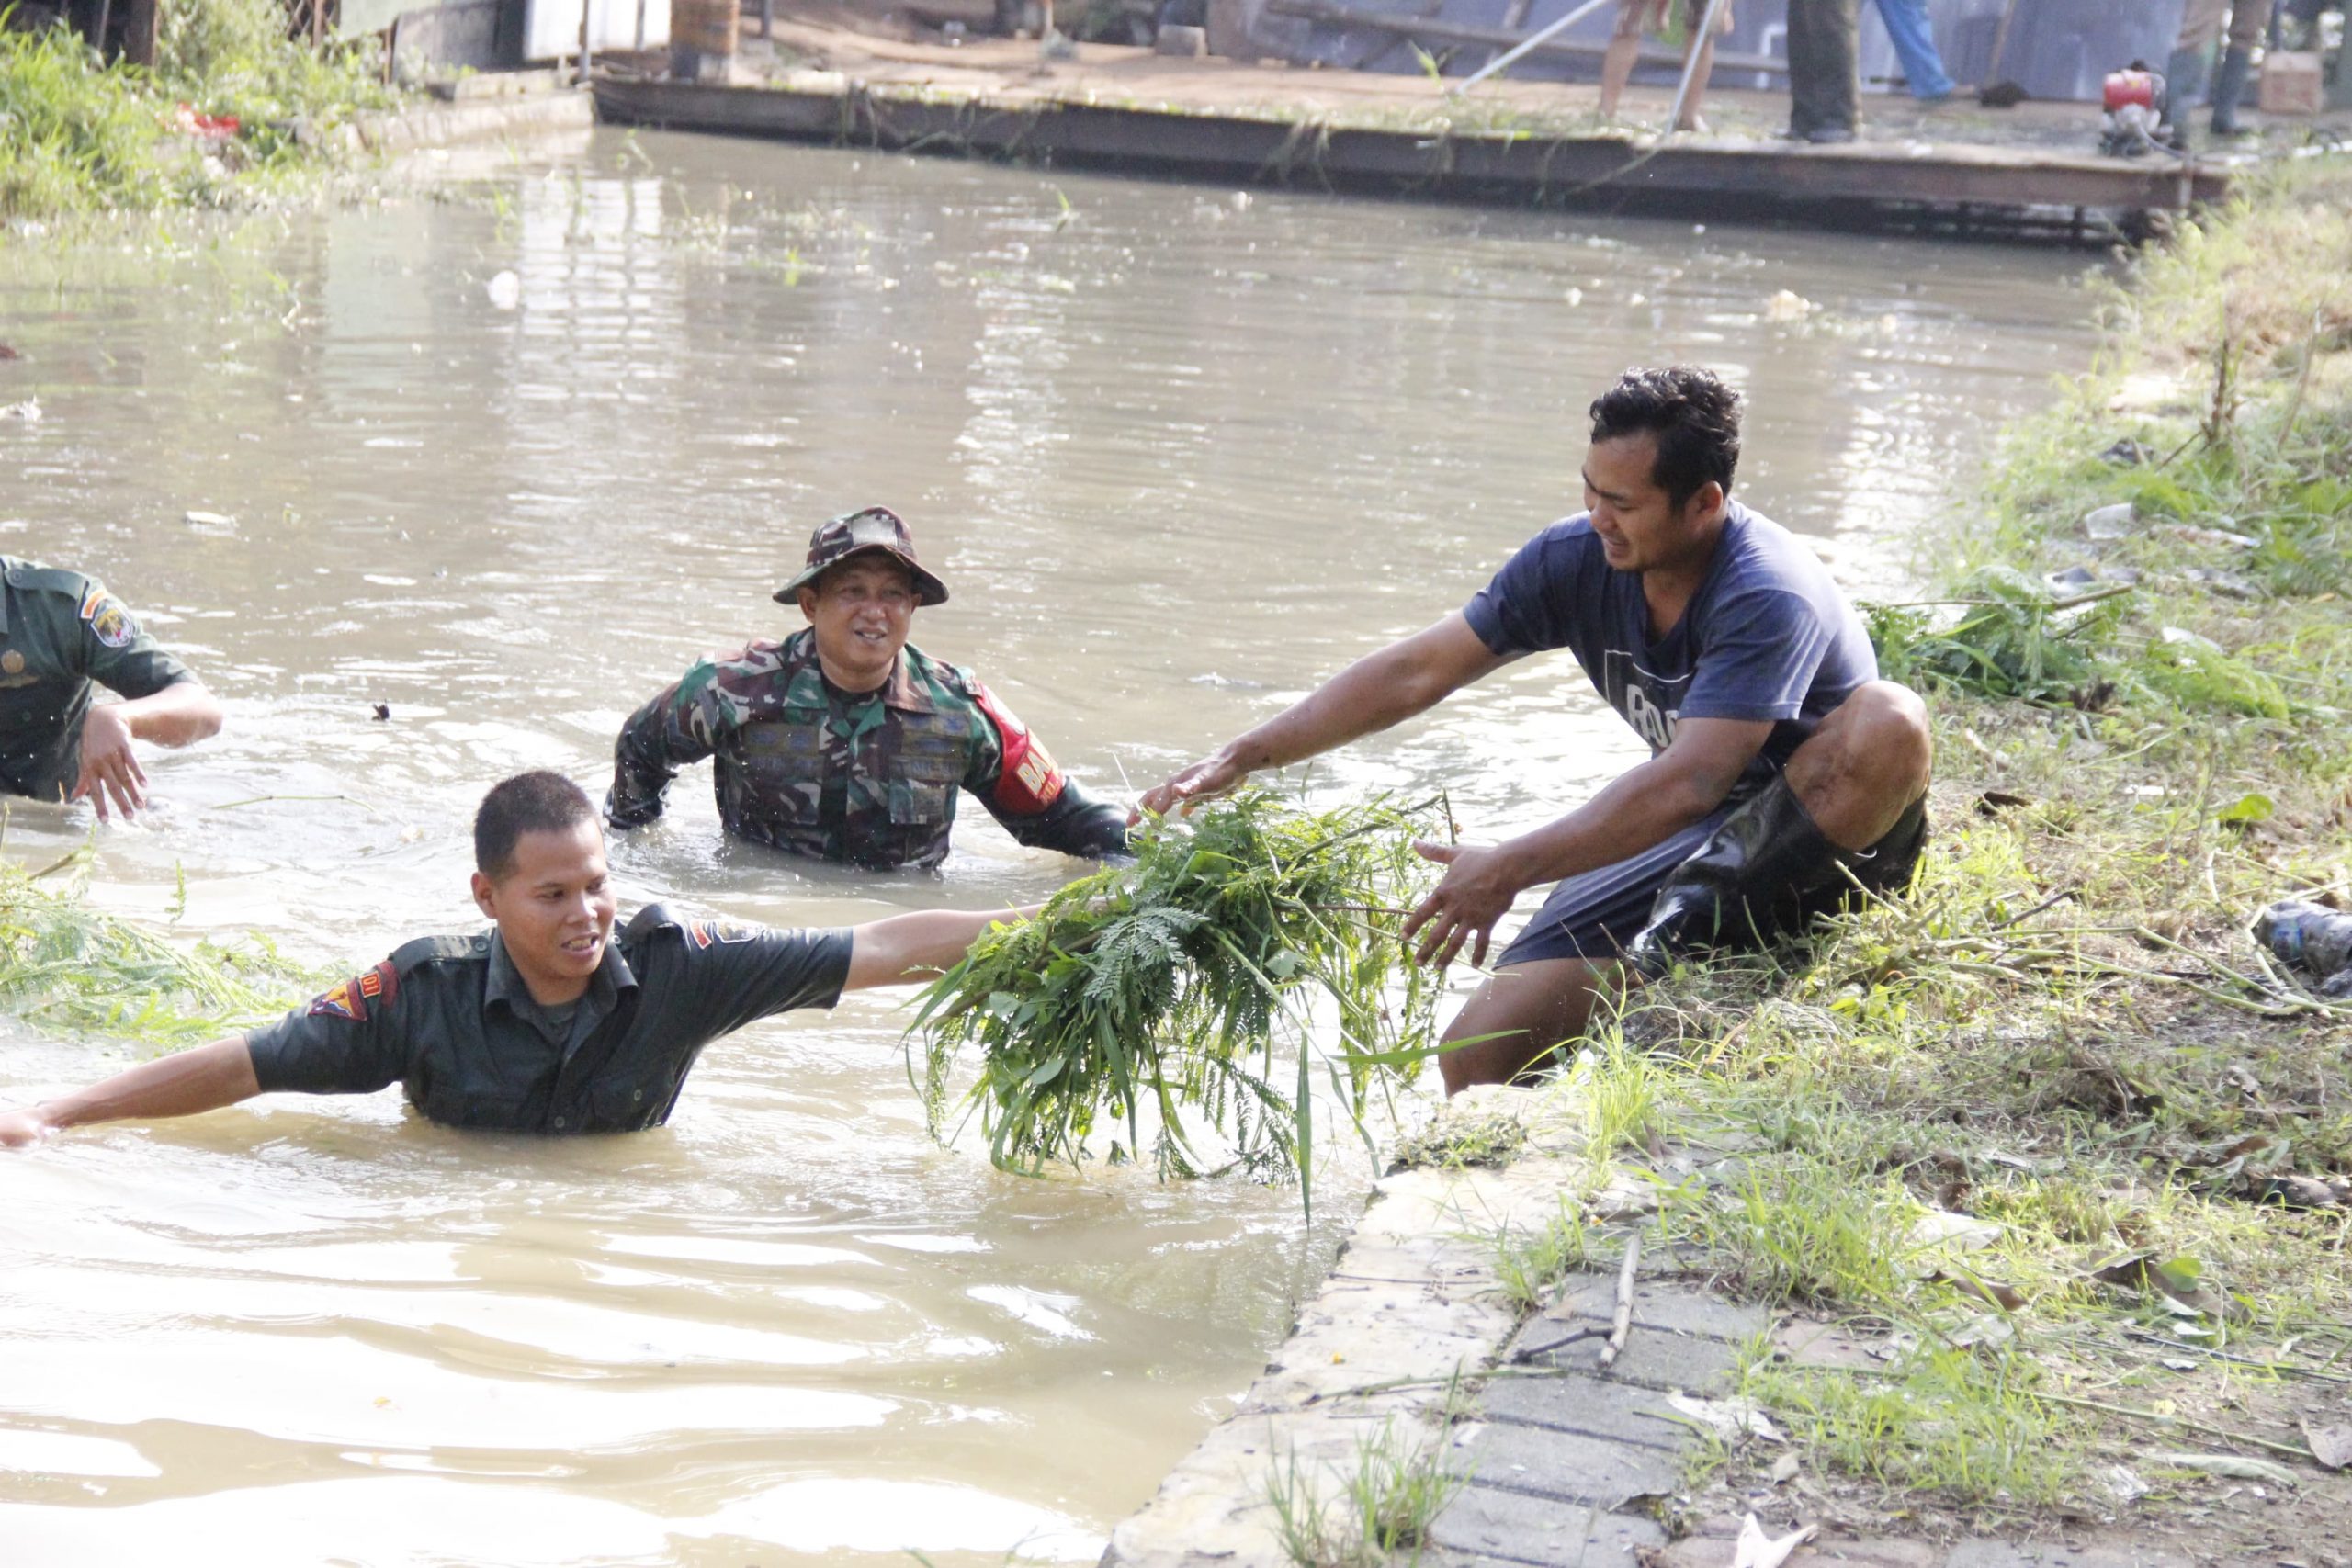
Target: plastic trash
(2313,937)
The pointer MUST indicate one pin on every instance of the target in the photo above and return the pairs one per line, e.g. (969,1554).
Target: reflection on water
(1179,454)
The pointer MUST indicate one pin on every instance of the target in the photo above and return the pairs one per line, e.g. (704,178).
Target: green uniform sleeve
(681,725)
(118,653)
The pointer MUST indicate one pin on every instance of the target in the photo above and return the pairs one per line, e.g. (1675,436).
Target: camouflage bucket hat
(854,533)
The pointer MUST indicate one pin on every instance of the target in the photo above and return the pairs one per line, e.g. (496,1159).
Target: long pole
(1537,41)
(1697,47)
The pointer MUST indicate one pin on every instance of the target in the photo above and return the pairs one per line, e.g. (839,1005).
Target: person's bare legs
(1690,120)
(1617,69)
(1855,775)
(1521,1012)
(1865,764)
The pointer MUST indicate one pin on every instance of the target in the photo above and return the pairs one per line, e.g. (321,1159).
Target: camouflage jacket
(867,779)
(59,631)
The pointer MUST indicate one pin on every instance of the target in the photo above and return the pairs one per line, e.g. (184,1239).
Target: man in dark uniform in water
(548,1022)
(845,743)
(61,634)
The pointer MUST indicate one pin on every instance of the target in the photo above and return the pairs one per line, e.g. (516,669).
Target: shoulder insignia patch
(109,622)
(351,999)
(1029,781)
(705,933)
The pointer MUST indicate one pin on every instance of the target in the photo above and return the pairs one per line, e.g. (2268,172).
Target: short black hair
(1694,416)
(535,802)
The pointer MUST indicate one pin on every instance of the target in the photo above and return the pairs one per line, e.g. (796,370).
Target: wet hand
(19,1128)
(1477,890)
(1204,780)
(109,771)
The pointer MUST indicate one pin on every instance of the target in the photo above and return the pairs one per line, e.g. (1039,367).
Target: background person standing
(1823,87)
(1636,16)
(1914,36)
(2200,24)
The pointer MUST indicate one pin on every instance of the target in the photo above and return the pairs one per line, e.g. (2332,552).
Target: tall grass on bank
(80,135)
(2053,1136)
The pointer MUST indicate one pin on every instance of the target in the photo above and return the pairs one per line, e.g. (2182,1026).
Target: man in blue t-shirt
(1782,770)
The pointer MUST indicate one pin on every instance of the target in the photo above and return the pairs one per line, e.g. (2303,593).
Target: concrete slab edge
(445,125)
(1412,1303)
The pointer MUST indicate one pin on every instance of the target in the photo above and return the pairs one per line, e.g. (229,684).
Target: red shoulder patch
(351,999)
(1029,781)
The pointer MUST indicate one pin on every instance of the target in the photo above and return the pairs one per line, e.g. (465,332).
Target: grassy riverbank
(79,137)
(2040,1158)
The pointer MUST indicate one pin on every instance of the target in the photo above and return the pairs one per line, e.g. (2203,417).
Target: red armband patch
(1029,781)
(704,932)
(350,1000)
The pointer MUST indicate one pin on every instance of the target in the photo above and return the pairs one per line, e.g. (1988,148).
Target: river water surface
(503,457)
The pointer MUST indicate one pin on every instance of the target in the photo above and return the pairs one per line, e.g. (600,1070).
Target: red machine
(2134,101)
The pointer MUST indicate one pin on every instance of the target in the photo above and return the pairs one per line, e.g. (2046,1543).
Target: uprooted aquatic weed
(65,966)
(1174,985)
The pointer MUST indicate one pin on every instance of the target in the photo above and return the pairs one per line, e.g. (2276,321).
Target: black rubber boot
(2184,86)
(2229,85)
(1751,878)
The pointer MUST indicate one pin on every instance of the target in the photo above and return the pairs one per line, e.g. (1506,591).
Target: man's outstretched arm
(918,946)
(203,1080)
(1408,677)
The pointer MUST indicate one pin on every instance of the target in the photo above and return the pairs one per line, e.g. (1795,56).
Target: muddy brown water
(1180,452)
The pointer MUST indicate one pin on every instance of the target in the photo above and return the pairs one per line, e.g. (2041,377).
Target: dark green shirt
(449,1020)
(59,632)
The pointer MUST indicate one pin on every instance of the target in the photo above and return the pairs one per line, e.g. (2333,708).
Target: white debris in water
(28,411)
(1241,201)
(1786,306)
(506,290)
(216,524)
(1573,296)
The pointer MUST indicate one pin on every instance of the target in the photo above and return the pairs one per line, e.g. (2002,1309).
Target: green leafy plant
(1175,985)
(2011,638)
(65,966)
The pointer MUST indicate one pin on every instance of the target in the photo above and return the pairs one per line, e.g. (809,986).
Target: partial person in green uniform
(60,633)
(548,1022)
(845,742)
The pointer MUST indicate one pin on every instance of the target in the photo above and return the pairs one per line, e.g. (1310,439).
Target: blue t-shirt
(1768,636)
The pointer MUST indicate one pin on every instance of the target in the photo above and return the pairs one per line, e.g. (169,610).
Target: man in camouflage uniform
(845,743)
(60,632)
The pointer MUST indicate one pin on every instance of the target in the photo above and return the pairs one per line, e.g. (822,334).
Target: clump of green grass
(1385,1505)
(66,966)
(1956,1424)
(1174,986)
(1529,1265)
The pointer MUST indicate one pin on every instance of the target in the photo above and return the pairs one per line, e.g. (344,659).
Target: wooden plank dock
(1994,189)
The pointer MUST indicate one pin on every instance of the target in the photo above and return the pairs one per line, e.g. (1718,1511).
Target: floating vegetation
(66,966)
(1253,931)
